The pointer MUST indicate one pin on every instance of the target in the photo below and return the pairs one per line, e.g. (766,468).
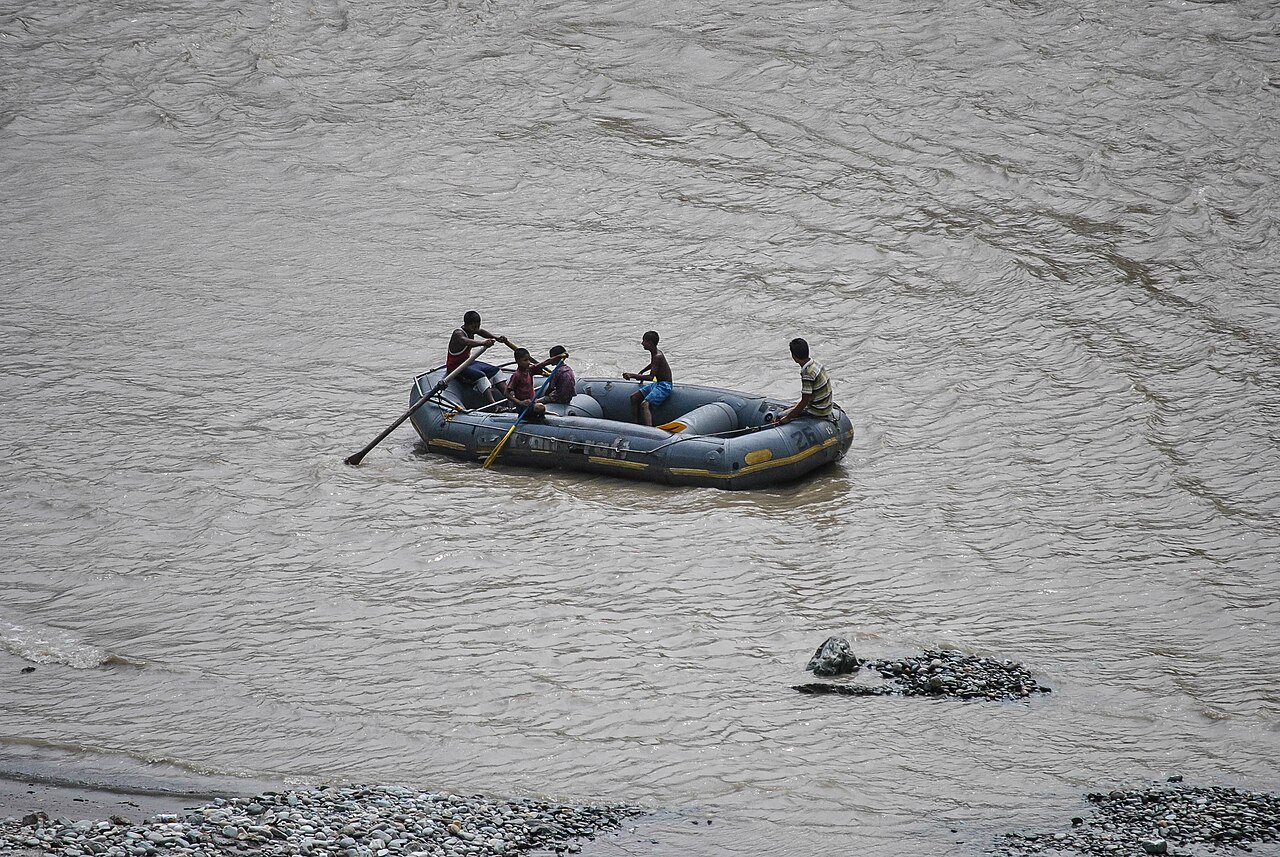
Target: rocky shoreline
(936,673)
(381,821)
(1159,820)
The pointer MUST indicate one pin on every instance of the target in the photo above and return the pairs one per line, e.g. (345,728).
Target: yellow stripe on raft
(448,444)
(754,468)
(617,462)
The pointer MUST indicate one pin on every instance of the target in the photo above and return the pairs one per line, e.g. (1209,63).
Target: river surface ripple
(1035,244)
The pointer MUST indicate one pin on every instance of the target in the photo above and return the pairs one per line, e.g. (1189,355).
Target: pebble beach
(372,821)
(1164,819)
(388,821)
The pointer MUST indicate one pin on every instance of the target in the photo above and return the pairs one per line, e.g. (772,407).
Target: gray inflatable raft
(707,436)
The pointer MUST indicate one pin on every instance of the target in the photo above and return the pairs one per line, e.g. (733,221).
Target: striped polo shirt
(814,382)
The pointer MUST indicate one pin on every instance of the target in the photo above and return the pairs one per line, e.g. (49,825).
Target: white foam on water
(45,646)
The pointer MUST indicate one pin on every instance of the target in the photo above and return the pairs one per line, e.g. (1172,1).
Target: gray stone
(834,657)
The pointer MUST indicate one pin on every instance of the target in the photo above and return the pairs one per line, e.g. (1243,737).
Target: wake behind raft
(706,436)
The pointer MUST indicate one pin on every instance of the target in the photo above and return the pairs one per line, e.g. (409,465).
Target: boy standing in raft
(478,374)
(815,386)
(656,391)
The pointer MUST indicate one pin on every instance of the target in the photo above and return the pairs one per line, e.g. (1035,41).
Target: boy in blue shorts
(655,392)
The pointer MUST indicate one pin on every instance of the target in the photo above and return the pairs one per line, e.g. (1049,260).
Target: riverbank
(39,818)
(352,821)
(1169,818)
(20,797)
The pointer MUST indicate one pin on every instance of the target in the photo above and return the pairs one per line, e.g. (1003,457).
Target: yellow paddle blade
(493,455)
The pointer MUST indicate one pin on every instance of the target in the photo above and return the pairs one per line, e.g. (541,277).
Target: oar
(520,418)
(355,460)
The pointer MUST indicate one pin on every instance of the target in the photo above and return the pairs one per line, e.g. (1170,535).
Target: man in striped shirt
(815,386)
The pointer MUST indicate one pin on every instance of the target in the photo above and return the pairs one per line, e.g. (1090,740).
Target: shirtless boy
(655,392)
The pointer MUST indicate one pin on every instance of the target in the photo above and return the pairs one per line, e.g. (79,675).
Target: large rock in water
(834,657)
(935,672)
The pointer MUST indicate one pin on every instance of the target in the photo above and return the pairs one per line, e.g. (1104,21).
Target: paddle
(493,455)
(354,460)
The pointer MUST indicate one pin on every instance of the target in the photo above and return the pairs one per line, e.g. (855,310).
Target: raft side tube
(581,405)
(711,418)
(757,454)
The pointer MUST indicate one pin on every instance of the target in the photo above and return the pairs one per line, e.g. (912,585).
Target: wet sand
(19,797)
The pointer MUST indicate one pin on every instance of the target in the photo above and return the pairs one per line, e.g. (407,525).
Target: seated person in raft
(563,384)
(519,390)
(656,391)
(479,374)
(815,386)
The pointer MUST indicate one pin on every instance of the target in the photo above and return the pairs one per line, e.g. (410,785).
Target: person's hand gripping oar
(497,449)
(355,460)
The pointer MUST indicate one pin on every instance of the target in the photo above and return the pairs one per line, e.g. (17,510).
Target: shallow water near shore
(1035,247)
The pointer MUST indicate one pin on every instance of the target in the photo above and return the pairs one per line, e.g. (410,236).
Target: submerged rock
(819,687)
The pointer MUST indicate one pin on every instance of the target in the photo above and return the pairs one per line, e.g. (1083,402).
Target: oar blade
(494,455)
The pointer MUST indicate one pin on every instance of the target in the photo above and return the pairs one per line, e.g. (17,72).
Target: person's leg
(487,372)
(479,381)
(654,394)
(636,398)
(646,416)
(491,372)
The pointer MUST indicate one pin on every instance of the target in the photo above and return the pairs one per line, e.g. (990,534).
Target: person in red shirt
(519,389)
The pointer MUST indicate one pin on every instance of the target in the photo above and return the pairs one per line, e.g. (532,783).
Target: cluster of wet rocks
(1160,820)
(936,672)
(328,822)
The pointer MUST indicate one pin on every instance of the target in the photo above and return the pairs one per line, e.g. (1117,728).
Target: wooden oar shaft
(354,460)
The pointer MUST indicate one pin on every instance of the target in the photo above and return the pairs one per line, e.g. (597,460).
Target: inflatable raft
(706,436)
